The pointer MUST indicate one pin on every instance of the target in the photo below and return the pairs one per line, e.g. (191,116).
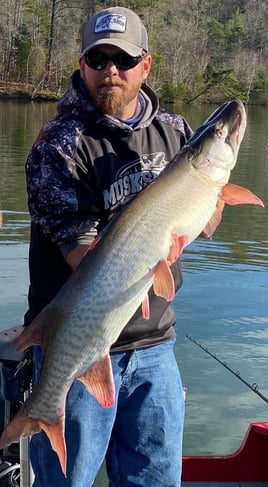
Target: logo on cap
(111,22)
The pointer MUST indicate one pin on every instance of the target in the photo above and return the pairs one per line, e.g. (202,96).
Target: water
(223,301)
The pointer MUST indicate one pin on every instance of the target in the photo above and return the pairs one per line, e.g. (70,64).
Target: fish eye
(219,132)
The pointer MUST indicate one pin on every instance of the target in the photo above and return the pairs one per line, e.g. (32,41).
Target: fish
(134,252)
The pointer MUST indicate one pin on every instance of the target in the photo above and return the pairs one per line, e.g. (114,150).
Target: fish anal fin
(163,281)
(99,382)
(55,433)
(178,243)
(237,195)
(145,307)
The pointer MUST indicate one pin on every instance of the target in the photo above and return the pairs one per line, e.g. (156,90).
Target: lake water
(223,301)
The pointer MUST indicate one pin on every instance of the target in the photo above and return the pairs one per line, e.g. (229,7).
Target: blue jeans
(141,436)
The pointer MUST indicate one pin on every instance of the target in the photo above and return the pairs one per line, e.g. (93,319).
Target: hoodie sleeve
(62,198)
(177,121)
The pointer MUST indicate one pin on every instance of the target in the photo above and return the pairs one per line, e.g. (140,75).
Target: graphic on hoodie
(131,179)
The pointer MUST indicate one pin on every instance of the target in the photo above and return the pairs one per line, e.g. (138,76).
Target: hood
(77,102)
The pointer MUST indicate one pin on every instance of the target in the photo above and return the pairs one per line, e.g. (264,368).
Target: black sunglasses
(98,60)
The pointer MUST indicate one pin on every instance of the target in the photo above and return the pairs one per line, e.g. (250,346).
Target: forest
(203,50)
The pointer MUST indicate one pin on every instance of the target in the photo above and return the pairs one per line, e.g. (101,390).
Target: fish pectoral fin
(163,281)
(145,307)
(55,433)
(178,243)
(212,224)
(237,195)
(99,382)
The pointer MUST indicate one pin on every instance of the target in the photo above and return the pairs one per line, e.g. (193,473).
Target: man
(107,142)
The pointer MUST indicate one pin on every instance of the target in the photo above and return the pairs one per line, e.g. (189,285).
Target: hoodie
(83,168)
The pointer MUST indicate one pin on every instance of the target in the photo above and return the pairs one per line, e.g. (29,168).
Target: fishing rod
(253,387)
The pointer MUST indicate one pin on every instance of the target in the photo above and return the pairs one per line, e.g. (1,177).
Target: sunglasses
(98,60)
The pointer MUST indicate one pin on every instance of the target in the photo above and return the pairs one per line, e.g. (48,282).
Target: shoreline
(26,92)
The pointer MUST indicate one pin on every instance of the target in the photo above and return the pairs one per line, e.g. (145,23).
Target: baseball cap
(116,26)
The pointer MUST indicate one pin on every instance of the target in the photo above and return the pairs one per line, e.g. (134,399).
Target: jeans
(141,436)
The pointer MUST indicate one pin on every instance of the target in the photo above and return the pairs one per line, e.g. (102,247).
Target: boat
(246,467)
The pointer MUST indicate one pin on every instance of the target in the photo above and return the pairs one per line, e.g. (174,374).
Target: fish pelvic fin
(99,382)
(163,281)
(55,433)
(237,195)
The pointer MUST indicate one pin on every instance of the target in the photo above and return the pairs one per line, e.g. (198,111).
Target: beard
(114,102)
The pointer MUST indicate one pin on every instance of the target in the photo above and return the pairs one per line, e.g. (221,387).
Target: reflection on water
(16,226)
(222,304)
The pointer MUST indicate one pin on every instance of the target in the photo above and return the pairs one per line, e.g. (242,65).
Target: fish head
(215,144)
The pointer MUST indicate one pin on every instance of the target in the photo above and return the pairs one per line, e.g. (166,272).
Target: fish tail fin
(55,433)
(22,426)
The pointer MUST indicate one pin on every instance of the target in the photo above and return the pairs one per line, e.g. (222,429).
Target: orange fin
(177,245)
(163,281)
(55,433)
(212,224)
(34,333)
(145,307)
(21,426)
(99,382)
(236,195)
(93,243)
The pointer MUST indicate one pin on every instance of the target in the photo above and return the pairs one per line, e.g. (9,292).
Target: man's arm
(75,256)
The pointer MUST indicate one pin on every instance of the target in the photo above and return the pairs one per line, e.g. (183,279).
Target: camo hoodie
(83,168)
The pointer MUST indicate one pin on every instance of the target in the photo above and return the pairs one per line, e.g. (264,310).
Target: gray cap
(116,26)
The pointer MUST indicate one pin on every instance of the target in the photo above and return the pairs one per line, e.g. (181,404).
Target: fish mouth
(215,144)
(228,122)
(237,127)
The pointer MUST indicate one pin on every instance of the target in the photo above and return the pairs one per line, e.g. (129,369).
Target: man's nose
(111,68)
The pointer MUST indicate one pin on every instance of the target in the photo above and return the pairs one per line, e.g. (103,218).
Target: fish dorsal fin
(55,433)
(237,195)
(163,281)
(178,243)
(99,382)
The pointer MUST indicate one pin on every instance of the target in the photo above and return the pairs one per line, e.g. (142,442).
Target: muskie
(134,252)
